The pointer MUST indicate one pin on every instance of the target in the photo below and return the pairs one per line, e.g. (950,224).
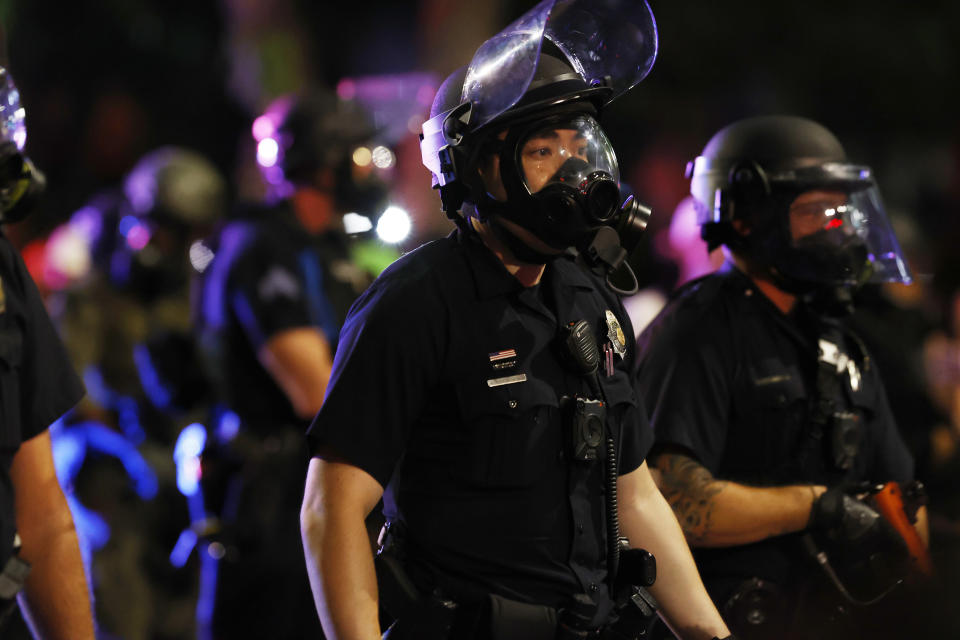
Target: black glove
(845,520)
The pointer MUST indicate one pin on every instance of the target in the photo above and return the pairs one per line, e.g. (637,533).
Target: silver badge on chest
(615,334)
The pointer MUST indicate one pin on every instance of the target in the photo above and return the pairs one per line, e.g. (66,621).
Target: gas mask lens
(573,156)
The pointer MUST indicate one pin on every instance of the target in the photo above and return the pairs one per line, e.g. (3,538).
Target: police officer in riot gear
(767,410)
(39,553)
(135,293)
(268,315)
(481,383)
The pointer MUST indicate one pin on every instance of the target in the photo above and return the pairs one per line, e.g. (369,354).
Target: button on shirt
(447,388)
(731,380)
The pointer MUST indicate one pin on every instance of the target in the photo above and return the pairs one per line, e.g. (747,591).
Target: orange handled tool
(889,503)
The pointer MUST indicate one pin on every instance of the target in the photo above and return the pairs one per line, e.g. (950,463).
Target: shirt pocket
(775,408)
(11,350)
(512,432)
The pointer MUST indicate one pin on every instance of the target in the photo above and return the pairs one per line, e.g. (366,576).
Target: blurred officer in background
(268,316)
(768,412)
(122,265)
(466,388)
(40,561)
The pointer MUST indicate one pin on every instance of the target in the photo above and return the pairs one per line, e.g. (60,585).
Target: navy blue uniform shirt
(446,389)
(269,275)
(37,382)
(729,379)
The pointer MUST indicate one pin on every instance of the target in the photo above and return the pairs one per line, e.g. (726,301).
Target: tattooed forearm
(691,491)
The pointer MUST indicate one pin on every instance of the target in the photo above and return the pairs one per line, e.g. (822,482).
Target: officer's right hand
(845,520)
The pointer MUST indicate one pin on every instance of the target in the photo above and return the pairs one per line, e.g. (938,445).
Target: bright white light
(382,158)
(362,156)
(186,455)
(356,223)
(394,225)
(200,256)
(67,255)
(267,151)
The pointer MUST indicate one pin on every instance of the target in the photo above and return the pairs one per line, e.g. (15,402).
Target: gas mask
(562,184)
(21,184)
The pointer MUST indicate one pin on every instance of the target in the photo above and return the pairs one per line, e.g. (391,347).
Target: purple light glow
(263,127)
(347,89)
(425,94)
(138,237)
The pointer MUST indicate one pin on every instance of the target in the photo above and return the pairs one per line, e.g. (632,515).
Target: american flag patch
(503,355)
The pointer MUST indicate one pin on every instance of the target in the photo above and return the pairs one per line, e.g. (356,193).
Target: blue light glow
(186,455)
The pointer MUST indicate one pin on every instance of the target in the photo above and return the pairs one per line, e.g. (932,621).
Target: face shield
(13,128)
(21,184)
(610,45)
(838,233)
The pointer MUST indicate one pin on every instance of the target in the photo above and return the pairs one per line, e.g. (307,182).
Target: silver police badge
(615,334)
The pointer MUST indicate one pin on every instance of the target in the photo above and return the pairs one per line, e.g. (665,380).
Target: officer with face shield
(482,384)
(274,288)
(769,414)
(40,560)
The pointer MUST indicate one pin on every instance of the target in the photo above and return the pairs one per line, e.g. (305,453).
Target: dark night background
(105,81)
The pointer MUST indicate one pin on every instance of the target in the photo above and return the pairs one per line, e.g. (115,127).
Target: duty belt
(12,579)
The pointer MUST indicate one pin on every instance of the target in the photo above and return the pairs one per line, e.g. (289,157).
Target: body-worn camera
(845,439)
(586,419)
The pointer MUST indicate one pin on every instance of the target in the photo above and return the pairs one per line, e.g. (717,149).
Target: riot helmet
(300,135)
(811,218)
(172,197)
(21,183)
(530,99)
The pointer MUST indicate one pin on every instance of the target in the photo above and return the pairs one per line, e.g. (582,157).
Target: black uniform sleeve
(388,359)
(268,293)
(637,436)
(890,459)
(48,385)
(684,380)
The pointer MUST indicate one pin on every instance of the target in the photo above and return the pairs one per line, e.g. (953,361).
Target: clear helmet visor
(571,152)
(609,42)
(840,228)
(13,128)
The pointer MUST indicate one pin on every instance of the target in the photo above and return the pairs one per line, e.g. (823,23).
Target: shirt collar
(491,277)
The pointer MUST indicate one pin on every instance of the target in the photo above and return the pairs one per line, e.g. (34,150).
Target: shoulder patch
(278,282)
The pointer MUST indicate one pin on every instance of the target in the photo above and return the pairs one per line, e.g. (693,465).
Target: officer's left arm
(649,523)
(56,599)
